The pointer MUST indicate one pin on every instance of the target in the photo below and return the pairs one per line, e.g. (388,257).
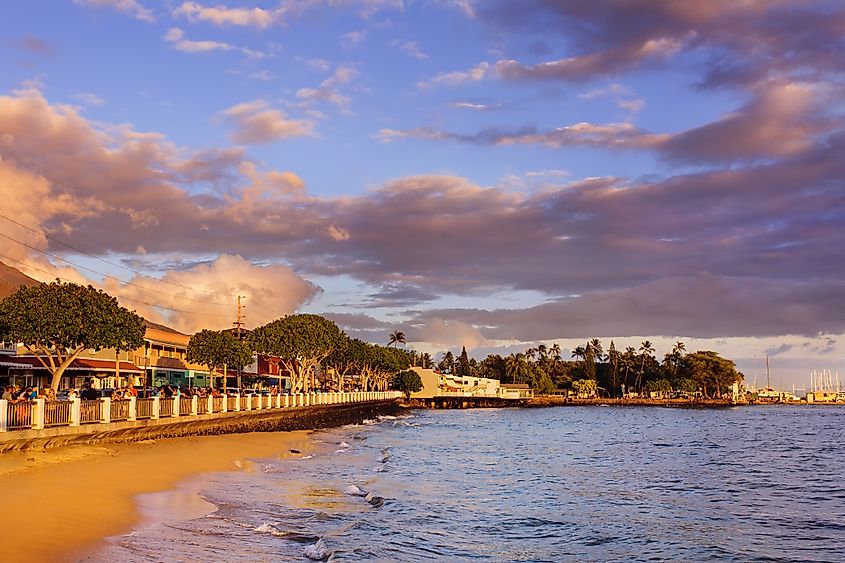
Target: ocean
(556,484)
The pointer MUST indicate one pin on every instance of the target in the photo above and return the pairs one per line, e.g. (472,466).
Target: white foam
(355,490)
(317,551)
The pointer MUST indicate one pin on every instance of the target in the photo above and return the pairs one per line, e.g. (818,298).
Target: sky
(488,174)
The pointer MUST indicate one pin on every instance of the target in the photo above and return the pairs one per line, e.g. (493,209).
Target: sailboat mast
(768,381)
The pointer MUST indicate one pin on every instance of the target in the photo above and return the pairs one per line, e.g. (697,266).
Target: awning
(80,364)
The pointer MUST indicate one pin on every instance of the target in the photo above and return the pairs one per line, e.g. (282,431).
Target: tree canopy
(58,321)
(301,341)
(216,349)
(408,382)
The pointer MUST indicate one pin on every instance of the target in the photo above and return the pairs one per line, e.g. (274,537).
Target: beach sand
(60,504)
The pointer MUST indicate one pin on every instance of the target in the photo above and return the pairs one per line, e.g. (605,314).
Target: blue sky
(476,173)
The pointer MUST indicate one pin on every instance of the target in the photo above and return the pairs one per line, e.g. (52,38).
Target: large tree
(301,342)
(408,382)
(58,321)
(217,349)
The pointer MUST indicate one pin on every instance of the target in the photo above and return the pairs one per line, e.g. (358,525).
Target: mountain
(11,279)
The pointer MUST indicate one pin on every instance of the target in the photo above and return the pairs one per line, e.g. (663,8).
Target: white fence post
(287,401)
(105,414)
(248,403)
(38,415)
(225,403)
(194,405)
(133,409)
(238,402)
(176,406)
(210,400)
(156,407)
(4,415)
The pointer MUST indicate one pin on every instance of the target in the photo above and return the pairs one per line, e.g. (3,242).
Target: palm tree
(598,350)
(627,362)
(516,367)
(542,352)
(554,351)
(646,349)
(579,352)
(396,337)
(426,360)
(530,353)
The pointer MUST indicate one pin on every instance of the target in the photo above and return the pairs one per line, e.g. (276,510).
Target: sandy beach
(60,504)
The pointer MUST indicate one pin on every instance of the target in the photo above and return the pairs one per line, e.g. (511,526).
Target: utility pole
(239,323)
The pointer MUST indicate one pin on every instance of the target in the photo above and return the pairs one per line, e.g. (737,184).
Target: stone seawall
(304,418)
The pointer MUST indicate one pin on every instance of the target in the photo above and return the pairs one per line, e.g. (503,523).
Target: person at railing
(7,393)
(72,394)
(89,393)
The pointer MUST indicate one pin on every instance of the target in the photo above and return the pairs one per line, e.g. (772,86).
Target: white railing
(40,414)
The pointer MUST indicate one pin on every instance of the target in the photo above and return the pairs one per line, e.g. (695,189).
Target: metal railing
(144,408)
(165,407)
(57,413)
(90,412)
(41,414)
(19,415)
(119,410)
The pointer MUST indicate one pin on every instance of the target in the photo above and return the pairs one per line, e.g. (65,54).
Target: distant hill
(11,279)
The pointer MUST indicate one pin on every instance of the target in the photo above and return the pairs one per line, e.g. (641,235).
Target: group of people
(16,393)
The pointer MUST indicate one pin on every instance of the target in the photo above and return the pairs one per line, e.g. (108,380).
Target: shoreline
(64,503)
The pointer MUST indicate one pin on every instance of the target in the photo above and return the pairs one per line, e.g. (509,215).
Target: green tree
(447,364)
(58,321)
(217,349)
(613,358)
(426,361)
(301,342)
(516,368)
(646,351)
(463,363)
(585,387)
(492,367)
(710,371)
(408,382)
(396,337)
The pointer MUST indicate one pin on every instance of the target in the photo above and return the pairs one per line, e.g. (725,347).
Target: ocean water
(559,484)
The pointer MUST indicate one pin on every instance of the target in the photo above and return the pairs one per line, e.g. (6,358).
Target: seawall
(271,420)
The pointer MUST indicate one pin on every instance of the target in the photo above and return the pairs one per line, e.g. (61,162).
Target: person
(131,391)
(7,393)
(72,394)
(89,393)
(33,393)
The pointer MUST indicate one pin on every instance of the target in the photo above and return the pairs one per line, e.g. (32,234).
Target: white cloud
(176,37)
(413,50)
(130,7)
(223,16)
(257,122)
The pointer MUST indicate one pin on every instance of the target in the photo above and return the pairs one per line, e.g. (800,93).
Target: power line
(112,277)
(124,298)
(75,249)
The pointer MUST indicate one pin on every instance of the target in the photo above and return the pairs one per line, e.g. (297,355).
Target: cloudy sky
(483,173)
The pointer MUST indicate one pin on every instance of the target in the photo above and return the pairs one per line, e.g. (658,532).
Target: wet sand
(60,504)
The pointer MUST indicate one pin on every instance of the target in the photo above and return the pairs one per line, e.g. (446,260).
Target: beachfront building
(160,361)
(822,396)
(437,384)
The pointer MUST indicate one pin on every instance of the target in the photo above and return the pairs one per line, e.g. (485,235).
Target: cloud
(329,90)
(203,296)
(88,99)
(735,307)
(748,249)
(223,16)
(614,135)
(129,7)
(176,37)
(732,43)
(257,122)
(352,38)
(411,49)
(475,105)
(33,44)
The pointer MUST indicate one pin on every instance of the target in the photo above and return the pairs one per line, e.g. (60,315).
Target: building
(447,385)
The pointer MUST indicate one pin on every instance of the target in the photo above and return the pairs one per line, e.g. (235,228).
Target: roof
(162,328)
(79,364)
(514,386)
